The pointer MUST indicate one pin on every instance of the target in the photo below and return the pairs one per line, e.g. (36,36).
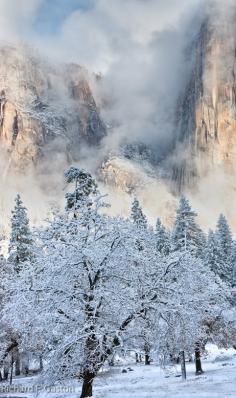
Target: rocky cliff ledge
(40,104)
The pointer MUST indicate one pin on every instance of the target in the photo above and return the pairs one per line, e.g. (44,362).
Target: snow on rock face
(40,103)
(207,112)
(124,174)
(19,134)
(128,178)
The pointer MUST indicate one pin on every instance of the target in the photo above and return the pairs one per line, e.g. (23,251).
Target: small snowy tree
(186,234)
(194,297)
(212,253)
(234,264)
(21,242)
(137,215)
(162,238)
(224,248)
(84,187)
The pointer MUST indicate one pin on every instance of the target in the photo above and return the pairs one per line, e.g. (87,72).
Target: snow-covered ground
(218,381)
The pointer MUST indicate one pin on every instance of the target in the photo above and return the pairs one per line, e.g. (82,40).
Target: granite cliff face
(204,132)
(41,104)
(206,116)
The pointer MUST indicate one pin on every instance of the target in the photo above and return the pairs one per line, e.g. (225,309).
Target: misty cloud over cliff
(140,48)
(137,45)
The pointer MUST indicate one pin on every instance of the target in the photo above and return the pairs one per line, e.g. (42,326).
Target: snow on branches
(99,283)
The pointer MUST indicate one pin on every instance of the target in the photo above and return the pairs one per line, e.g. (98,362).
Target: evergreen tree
(21,243)
(162,238)
(211,252)
(186,235)
(224,235)
(234,263)
(84,187)
(224,248)
(137,215)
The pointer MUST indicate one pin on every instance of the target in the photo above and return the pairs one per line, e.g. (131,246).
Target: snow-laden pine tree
(162,238)
(137,215)
(20,260)
(187,235)
(21,243)
(7,336)
(224,264)
(212,251)
(84,186)
(234,264)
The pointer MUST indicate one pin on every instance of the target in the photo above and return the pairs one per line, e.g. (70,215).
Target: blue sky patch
(53,12)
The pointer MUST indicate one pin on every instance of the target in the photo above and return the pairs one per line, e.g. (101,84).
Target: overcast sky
(91,32)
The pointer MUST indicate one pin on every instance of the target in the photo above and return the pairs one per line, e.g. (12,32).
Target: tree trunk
(25,364)
(5,372)
(112,361)
(87,387)
(11,372)
(147,359)
(41,363)
(147,354)
(17,363)
(198,363)
(183,365)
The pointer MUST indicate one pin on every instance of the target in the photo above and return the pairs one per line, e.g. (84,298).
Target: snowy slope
(218,381)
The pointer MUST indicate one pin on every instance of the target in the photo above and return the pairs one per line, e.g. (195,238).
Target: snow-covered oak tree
(190,298)
(82,299)
(194,297)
